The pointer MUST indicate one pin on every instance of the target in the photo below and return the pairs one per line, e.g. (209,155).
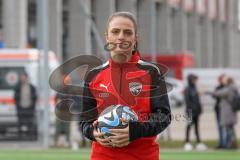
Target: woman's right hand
(99,136)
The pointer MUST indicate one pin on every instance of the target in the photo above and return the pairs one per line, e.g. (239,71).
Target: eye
(115,31)
(128,32)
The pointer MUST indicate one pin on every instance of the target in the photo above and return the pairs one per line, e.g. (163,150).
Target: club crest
(135,88)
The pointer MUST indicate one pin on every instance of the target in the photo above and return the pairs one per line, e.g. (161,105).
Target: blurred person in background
(67,133)
(217,111)
(228,115)
(62,128)
(2,44)
(193,110)
(25,98)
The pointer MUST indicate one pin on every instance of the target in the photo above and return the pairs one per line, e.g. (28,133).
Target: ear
(136,38)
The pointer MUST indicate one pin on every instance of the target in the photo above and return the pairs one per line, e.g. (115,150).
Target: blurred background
(200,37)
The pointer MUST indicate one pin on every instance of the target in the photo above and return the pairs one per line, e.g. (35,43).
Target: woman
(127,80)
(228,116)
(217,112)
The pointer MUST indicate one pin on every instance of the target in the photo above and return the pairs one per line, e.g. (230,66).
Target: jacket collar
(135,58)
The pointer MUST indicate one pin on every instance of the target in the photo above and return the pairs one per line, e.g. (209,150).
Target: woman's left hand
(121,136)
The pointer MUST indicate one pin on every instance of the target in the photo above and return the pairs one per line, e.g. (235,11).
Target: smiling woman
(125,80)
(121,29)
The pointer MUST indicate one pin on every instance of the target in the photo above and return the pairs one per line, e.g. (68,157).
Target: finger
(118,137)
(98,134)
(124,120)
(106,144)
(120,142)
(117,131)
(110,146)
(102,140)
(121,145)
(95,123)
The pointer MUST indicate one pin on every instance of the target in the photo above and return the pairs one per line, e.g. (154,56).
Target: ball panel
(110,118)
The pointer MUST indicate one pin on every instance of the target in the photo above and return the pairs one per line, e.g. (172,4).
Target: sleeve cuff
(91,137)
(135,131)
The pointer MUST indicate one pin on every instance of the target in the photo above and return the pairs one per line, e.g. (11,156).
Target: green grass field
(84,155)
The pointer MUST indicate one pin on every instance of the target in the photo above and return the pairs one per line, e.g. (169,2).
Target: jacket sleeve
(16,96)
(160,116)
(34,95)
(88,113)
(221,93)
(188,99)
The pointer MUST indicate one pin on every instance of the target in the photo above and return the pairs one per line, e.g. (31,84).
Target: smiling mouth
(125,45)
(121,51)
(122,46)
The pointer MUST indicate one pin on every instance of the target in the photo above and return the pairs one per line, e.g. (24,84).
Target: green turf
(84,155)
(44,155)
(173,144)
(209,155)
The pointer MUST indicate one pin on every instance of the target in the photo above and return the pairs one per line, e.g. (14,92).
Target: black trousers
(27,126)
(195,122)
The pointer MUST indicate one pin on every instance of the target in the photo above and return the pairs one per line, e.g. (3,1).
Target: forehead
(121,22)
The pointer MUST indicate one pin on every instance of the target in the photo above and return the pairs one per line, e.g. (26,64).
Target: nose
(121,36)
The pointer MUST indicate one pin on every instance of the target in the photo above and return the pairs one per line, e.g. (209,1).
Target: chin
(120,57)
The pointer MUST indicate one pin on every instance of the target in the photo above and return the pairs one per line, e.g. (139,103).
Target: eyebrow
(123,29)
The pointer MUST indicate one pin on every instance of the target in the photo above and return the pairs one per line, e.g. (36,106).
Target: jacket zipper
(120,79)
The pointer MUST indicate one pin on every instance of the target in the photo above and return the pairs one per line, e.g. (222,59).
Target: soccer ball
(110,118)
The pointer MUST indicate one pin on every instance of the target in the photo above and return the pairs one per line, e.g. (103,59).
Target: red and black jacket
(137,84)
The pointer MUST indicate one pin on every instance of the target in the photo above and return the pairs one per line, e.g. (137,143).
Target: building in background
(239,15)
(209,29)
